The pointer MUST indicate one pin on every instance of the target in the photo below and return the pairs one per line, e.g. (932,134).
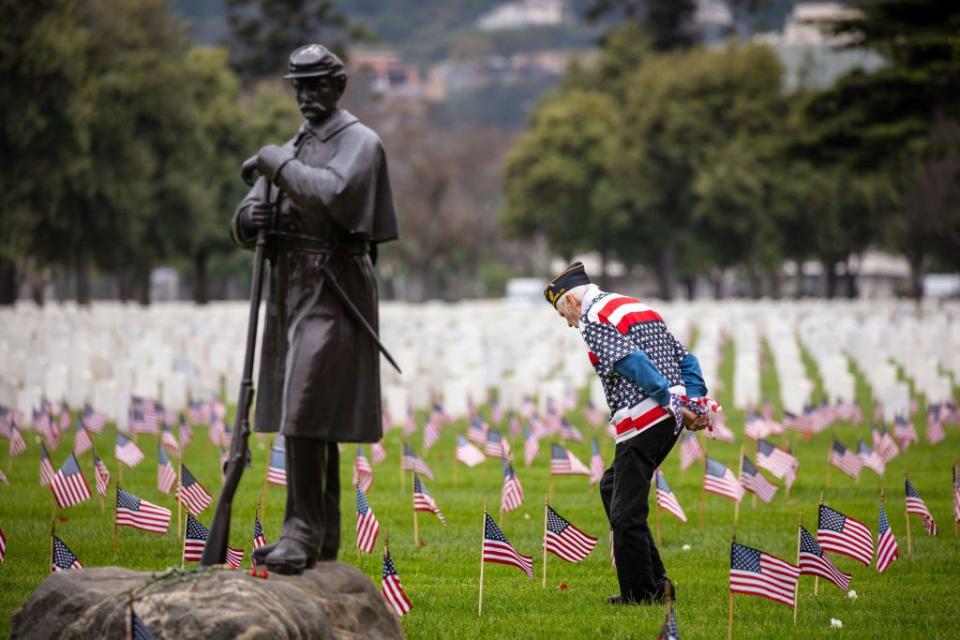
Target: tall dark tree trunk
(125,286)
(604,260)
(719,290)
(82,266)
(690,284)
(830,278)
(917,271)
(143,283)
(666,271)
(201,291)
(776,283)
(8,281)
(850,278)
(754,280)
(801,279)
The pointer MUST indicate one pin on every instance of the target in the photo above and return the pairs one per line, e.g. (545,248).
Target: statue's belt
(296,243)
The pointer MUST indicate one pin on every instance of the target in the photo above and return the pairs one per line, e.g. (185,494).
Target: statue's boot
(260,553)
(290,557)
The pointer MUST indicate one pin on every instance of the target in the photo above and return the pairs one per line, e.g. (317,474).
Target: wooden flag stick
(53,532)
(956,480)
(483,537)
(816,579)
(656,516)
(796,586)
(416,526)
(116,528)
(736,507)
(179,504)
(907,516)
(703,495)
(455,471)
(403,475)
(544,585)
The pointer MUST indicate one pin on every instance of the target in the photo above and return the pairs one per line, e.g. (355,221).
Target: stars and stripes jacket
(639,361)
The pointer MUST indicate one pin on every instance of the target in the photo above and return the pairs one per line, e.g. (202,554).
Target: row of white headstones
(456,353)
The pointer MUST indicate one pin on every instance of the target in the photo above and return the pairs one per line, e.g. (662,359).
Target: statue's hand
(249,170)
(271,160)
(258,216)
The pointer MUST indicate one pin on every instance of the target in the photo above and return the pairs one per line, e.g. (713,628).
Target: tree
(668,23)
(559,183)
(264,32)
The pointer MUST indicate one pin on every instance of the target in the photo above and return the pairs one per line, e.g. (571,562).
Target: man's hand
(259,216)
(694,422)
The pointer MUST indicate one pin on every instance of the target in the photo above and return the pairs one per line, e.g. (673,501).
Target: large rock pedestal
(331,601)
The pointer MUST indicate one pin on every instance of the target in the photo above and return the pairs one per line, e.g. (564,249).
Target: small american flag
(467,453)
(259,540)
(195,540)
(511,496)
(68,485)
(594,416)
(569,432)
(93,420)
(690,450)
(191,493)
(496,548)
(277,469)
(423,501)
(3,546)
(362,471)
(138,629)
(367,525)
(916,505)
(718,479)
(431,432)
(199,412)
(234,557)
(170,442)
(564,463)
(392,592)
(17,444)
(665,498)
(140,514)
(46,467)
(186,432)
(412,462)
(870,458)
(565,540)
(82,442)
(166,474)
(496,445)
(780,463)
(753,480)
(378,453)
(143,416)
(526,407)
(102,474)
(935,431)
(887,550)
(843,534)
(755,426)
(670,630)
(757,573)
(814,562)
(477,431)
(721,432)
(596,463)
(884,444)
(531,446)
(516,429)
(127,452)
(844,459)
(63,559)
(6,419)
(410,426)
(904,431)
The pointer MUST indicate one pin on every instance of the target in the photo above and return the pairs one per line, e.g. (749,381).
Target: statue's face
(318,97)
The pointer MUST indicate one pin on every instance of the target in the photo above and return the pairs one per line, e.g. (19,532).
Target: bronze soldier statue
(325,199)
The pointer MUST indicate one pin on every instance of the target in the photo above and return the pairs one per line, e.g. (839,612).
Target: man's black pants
(313,495)
(625,491)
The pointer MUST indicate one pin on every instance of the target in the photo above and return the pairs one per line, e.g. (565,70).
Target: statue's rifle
(215,551)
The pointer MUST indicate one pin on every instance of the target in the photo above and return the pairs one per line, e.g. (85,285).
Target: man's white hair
(576,293)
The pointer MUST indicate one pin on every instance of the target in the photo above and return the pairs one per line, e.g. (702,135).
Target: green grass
(916,598)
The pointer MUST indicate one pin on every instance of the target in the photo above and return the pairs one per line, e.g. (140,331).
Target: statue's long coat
(319,370)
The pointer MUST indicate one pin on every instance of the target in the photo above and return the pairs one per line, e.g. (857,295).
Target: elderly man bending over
(648,378)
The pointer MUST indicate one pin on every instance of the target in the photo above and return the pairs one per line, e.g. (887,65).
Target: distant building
(524,13)
(811,55)
(388,73)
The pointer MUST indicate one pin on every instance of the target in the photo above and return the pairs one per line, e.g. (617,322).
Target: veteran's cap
(573,276)
(314,60)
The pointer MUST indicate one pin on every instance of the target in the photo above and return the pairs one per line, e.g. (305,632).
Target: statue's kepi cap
(314,61)
(573,276)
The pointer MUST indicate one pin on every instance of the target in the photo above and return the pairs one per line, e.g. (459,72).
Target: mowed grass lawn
(916,598)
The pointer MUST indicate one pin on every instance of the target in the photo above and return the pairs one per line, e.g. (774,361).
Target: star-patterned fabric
(608,345)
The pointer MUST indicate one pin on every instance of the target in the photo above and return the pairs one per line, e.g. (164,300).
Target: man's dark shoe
(290,557)
(619,599)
